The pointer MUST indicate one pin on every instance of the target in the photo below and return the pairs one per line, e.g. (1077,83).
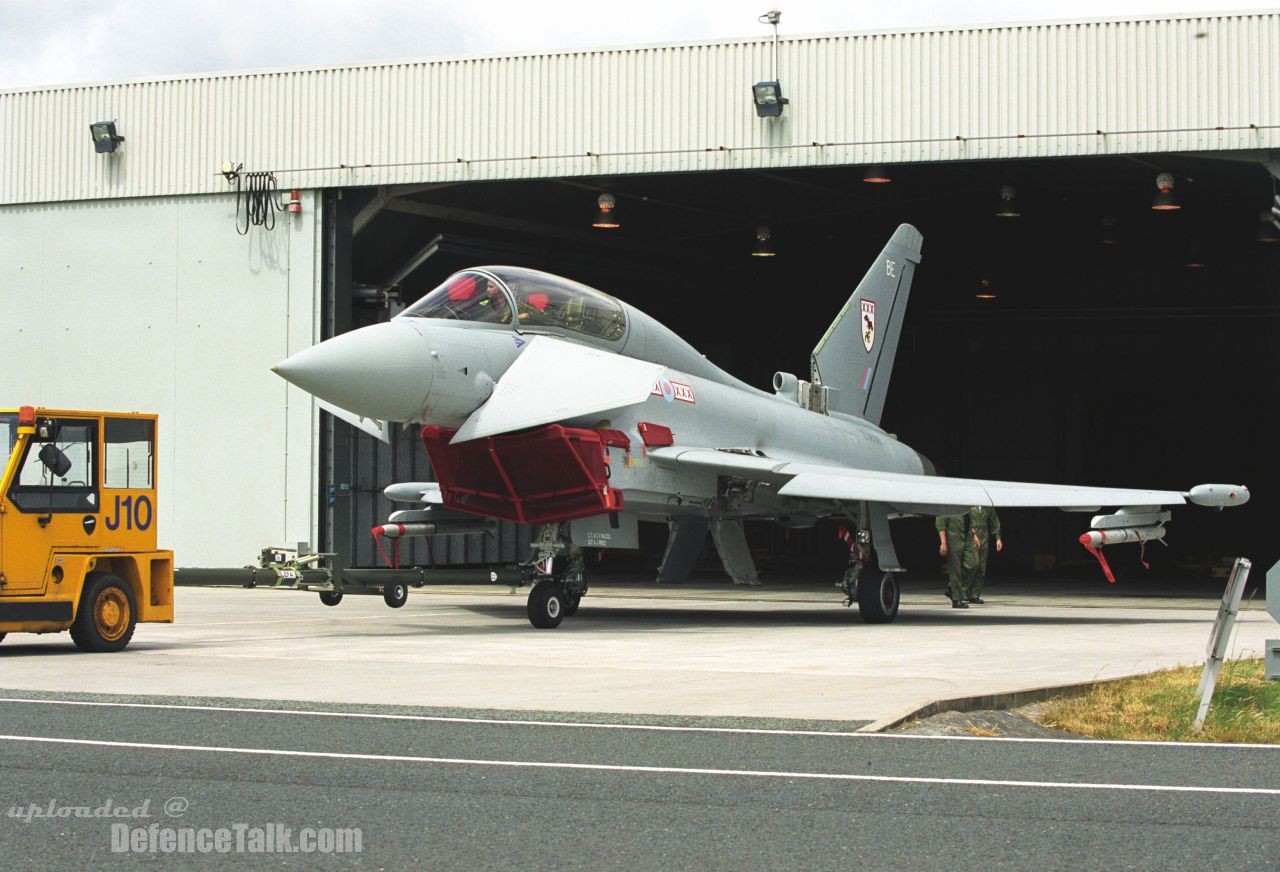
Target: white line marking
(660,770)
(656,728)
(197,625)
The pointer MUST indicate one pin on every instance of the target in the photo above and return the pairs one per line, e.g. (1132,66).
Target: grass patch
(1161,706)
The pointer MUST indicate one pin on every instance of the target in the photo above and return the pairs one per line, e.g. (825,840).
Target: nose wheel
(548,605)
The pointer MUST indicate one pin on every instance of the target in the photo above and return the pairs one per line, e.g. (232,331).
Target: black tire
(546,605)
(107,616)
(571,603)
(395,594)
(878,603)
(331,597)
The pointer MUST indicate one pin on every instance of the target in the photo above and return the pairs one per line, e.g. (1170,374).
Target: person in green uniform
(953,532)
(984,527)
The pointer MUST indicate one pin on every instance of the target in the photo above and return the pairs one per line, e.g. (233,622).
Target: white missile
(433,528)
(1098,538)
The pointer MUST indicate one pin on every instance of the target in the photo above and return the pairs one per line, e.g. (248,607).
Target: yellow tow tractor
(78,526)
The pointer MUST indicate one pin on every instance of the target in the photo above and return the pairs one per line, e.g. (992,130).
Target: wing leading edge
(925,494)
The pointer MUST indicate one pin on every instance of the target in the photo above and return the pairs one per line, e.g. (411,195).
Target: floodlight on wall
(1165,201)
(767,96)
(1109,235)
(605,217)
(764,242)
(1008,207)
(876,175)
(104,136)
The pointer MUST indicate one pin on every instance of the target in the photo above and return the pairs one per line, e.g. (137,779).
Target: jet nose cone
(381,371)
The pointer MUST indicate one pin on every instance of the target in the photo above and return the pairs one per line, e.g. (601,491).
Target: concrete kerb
(991,702)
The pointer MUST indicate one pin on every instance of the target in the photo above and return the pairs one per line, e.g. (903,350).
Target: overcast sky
(55,41)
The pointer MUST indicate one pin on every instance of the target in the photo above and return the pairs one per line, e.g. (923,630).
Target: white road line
(659,770)
(197,625)
(656,728)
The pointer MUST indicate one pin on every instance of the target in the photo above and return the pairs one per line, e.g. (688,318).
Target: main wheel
(878,603)
(571,603)
(107,615)
(331,597)
(395,594)
(546,605)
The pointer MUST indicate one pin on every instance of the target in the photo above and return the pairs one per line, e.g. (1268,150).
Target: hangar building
(1060,327)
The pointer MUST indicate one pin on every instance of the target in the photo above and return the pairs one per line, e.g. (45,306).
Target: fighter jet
(546,402)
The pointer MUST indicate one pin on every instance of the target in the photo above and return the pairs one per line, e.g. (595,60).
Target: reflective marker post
(1273,606)
(1220,638)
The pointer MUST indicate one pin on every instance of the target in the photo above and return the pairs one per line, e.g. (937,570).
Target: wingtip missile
(1219,496)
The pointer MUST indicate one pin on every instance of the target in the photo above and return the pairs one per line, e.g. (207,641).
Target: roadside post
(1220,638)
(1273,606)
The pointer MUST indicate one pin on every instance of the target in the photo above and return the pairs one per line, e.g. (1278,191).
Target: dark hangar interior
(1060,329)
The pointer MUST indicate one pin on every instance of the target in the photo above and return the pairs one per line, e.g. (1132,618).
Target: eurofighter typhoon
(546,402)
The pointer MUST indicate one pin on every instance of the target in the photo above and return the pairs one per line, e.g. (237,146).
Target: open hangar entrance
(1087,339)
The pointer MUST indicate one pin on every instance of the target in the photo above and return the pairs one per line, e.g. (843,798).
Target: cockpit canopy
(539,300)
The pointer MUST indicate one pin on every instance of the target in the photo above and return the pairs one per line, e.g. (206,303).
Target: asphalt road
(451,789)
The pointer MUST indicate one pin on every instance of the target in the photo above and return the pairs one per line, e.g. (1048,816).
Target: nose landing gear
(556,594)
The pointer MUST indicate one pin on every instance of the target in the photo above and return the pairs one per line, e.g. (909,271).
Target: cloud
(59,41)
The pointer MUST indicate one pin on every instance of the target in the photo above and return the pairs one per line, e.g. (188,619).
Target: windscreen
(544,300)
(465,296)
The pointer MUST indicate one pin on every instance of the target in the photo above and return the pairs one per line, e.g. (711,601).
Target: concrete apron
(632,651)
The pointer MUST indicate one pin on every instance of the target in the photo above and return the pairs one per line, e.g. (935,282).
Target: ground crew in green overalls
(953,532)
(984,526)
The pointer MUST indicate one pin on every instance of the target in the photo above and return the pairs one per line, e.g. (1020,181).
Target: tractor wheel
(107,615)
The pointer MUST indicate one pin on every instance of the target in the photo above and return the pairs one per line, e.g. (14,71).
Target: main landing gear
(877,602)
(557,592)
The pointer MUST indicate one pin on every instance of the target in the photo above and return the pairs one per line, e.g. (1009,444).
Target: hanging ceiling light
(986,291)
(1164,201)
(1008,203)
(605,219)
(876,175)
(1109,236)
(764,242)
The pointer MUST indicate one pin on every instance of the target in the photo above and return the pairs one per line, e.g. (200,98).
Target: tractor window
(127,453)
(61,473)
(8,434)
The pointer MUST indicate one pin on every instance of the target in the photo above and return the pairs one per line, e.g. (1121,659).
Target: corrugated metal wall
(1172,84)
(160,305)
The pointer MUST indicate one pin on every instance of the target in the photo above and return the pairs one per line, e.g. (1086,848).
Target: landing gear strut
(557,591)
(877,602)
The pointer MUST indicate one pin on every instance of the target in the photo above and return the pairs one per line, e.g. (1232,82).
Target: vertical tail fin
(854,358)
